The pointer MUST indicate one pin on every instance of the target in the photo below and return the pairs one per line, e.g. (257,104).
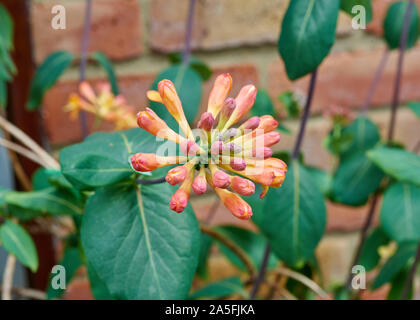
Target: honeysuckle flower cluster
(339,115)
(104,104)
(215,153)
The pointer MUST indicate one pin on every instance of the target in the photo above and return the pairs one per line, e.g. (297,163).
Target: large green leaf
(221,289)
(47,75)
(137,245)
(398,163)
(189,87)
(198,65)
(364,133)
(3,94)
(6,27)
(15,240)
(321,178)
(347,6)
(103,158)
(395,264)
(71,261)
(355,180)
(400,215)
(98,287)
(51,200)
(369,257)
(394,21)
(263,105)
(292,217)
(205,246)
(104,62)
(251,243)
(415,107)
(3,192)
(307,35)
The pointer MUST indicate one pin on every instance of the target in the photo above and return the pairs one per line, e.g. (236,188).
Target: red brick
(115,28)
(344,79)
(380,9)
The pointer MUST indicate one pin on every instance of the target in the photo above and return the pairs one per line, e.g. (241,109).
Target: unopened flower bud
(236,205)
(217,147)
(200,184)
(220,179)
(232,148)
(206,121)
(219,92)
(271,138)
(238,164)
(228,106)
(242,186)
(179,200)
(251,124)
(145,162)
(189,147)
(176,175)
(268,123)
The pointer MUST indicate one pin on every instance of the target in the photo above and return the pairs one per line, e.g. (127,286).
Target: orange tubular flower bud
(176,175)
(171,101)
(153,95)
(228,106)
(87,92)
(262,175)
(179,199)
(238,164)
(200,184)
(206,121)
(219,93)
(268,123)
(145,162)
(275,163)
(220,178)
(242,186)
(236,205)
(251,124)
(244,101)
(150,121)
(271,138)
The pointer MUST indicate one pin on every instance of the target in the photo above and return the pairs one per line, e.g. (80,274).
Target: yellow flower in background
(102,103)
(215,153)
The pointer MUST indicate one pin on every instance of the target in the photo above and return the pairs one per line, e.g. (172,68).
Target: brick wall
(236,36)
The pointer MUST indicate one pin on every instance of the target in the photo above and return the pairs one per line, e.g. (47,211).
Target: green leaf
(290,104)
(103,158)
(3,94)
(400,216)
(71,261)
(104,62)
(98,287)
(347,6)
(15,240)
(321,178)
(6,27)
(206,244)
(395,264)
(399,164)
(415,107)
(51,200)
(263,105)
(47,75)
(292,217)
(369,257)
(137,245)
(355,180)
(3,192)
(307,35)
(188,84)
(364,133)
(398,285)
(221,289)
(251,243)
(198,65)
(394,21)
(45,178)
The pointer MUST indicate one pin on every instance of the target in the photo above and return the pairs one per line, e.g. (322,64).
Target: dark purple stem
(305,116)
(149,182)
(261,273)
(410,278)
(83,60)
(188,34)
(403,46)
(375,81)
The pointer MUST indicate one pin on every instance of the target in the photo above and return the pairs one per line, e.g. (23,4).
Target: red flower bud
(242,186)
(206,121)
(176,175)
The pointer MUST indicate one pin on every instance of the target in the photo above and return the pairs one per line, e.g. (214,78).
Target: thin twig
(363,235)
(23,151)
(26,140)
(9,271)
(397,85)
(188,33)
(152,181)
(28,293)
(83,60)
(286,294)
(261,273)
(305,281)
(411,275)
(231,246)
(375,82)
